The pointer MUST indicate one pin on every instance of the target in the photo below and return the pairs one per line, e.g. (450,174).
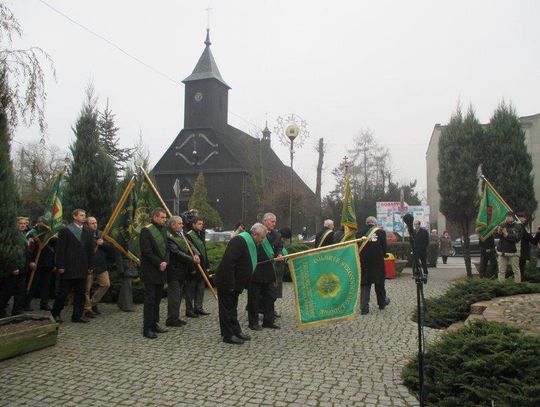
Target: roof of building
(206,68)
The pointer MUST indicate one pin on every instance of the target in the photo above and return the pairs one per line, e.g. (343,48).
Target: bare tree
(320,148)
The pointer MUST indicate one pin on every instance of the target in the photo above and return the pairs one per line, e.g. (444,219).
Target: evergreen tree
(459,157)
(506,162)
(92,179)
(9,253)
(109,140)
(199,201)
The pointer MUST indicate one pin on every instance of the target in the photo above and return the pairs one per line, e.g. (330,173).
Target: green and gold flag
(326,284)
(131,214)
(491,213)
(53,216)
(348,212)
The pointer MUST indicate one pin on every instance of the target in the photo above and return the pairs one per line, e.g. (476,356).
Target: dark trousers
(194,294)
(152,299)
(175,292)
(260,295)
(422,259)
(365,292)
(41,284)
(13,286)
(444,259)
(228,312)
(488,264)
(522,265)
(78,285)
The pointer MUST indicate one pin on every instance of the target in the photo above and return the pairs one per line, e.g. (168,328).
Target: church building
(243,175)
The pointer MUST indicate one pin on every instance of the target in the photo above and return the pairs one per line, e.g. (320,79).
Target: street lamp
(292,128)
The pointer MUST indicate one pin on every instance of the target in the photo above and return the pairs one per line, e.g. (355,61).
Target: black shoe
(95,310)
(182,322)
(44,307)
(234,340)
(174,323)
(271,326)
(149,334)
(202,312)
(276,315)
(386,302)
(255,327)
(364,312)
(57,318)
(159,330)
(81,320)
(243,336)
(191,314)
(89,314)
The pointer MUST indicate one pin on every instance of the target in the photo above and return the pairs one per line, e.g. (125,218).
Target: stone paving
(108,362)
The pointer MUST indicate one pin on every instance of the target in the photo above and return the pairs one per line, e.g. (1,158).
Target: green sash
(22,239)
(269,250)
(372,230)
(199,244)
(251,247)
(284,252)
(179,240)
(325,234)
(77,231)
(158,238)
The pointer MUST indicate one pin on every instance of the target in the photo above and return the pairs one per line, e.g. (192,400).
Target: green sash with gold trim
(158,238)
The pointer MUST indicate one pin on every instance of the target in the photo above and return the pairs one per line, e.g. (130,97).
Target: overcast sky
(395,67)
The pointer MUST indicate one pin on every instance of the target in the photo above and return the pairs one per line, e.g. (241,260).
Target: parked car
(214,236)
(474,246)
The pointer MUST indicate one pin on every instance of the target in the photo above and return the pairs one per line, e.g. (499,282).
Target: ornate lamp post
(290,129)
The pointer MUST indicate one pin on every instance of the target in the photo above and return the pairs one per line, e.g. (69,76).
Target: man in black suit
(232,276)
(264,279)
(74,260)
(154,260)
(421,244)
(326,236)
(195,284)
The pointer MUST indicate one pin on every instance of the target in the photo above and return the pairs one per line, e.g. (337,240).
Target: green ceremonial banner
(491,213)
(348,212)
(53,216)
(132,213)
(326,284)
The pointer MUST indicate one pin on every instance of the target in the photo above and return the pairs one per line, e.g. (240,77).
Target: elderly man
(508,248)
(154,260)
(232,276)
(101,274)
(13,282)
(74,260)
(326,236)
(195,284)
(180,266)
(372,262)
(421,244)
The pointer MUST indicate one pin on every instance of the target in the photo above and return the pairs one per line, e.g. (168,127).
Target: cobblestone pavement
(109,362)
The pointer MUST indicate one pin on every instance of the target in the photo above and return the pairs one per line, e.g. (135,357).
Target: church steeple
(206,68)
(266,135)
(206,94)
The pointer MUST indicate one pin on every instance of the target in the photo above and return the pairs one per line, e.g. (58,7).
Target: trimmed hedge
(455,304)
(485,364)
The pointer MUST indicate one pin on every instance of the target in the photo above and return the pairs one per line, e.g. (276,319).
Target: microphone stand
(420,278)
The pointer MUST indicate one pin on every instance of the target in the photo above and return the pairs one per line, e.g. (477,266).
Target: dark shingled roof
(206,68)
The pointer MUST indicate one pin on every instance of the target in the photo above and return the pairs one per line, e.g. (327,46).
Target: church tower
(206,94)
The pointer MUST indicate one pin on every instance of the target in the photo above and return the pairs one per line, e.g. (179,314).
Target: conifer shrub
(484,364)
(455,304)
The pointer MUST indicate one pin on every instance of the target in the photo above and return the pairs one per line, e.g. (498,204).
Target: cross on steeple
(208,9)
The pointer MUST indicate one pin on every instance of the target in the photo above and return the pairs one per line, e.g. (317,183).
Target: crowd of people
(173,252)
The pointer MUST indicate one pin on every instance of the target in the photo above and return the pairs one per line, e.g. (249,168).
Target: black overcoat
(265,273)
(181,263)
(151,258)
(235,269)
(372,257)
(74,256)
(328,240)
(421,242)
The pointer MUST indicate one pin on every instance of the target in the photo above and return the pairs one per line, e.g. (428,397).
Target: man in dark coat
(326,236)
(154,260)
(260,294)
(421,244)
(372,263)
(74,260)
(13,282)
(508,249)
(102,252)
(488,258)
(527,240)
(180,265)
(195,283)
(232,276)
